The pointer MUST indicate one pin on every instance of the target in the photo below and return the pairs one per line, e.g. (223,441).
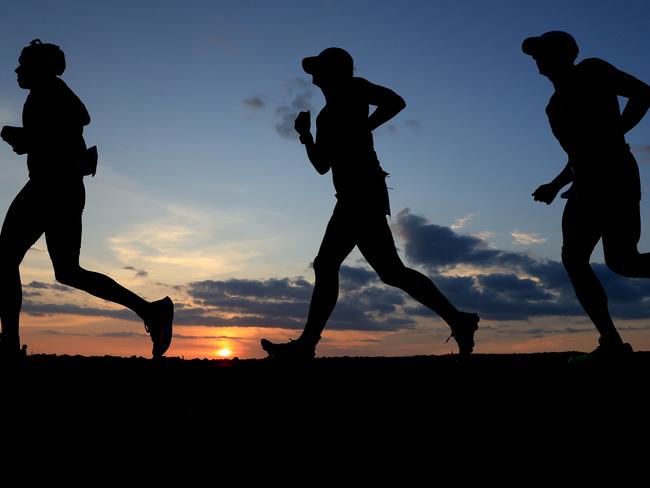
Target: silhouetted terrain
(530,396)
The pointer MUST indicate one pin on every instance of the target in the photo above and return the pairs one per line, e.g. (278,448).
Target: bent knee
(622,265)
(68,276)
(392,276)
(324,265)
(573,259)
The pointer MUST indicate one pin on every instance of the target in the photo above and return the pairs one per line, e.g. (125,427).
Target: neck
(333,92)
(42,83)
(560,78)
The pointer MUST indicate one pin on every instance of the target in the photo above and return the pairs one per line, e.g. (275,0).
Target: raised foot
(159,324)
(462,330)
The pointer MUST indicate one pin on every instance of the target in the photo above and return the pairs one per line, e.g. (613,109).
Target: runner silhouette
(53,199)
(603,200)
(344,144)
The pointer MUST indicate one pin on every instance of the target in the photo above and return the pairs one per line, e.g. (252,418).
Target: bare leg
(63,235)
(157,316)
(101,286)
(581,232)
(336,245)
(21,229)
(11,298)
(620,240)
(378,247)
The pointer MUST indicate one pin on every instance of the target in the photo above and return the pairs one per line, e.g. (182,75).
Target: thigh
(582,225)
(376,243)
(339,239)
(623,228)
(23,224)
(64,224)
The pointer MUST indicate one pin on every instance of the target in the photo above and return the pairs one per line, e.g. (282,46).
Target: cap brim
(310,64)
(532,45)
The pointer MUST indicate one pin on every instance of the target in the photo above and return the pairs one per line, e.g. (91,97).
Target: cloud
(254,102)
(300,93)
(119,334)
(140,273)
(643,152)
(498,284)
(54,332)
(506,285)
(167,285)
(284,302)
(179,244)
(9,115)
(433,245)
(351,277)
(520,238)
(413,124)
(485,235)
(122,334)
(39,285)
(28,293)
(436,246)
(462,222)
(214,337)
(45,309)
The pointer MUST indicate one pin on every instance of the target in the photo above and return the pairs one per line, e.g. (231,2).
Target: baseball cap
(552,42)
(331,60)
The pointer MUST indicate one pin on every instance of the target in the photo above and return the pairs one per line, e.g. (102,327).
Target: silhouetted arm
(315,153)
(638,95)
(546,193)
(316,157)
(625,85)
(388,104)
(16,138)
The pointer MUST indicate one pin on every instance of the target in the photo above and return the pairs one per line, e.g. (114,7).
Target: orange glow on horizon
(224,352)
(91,336)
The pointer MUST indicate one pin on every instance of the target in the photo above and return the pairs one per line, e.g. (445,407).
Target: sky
(204,193)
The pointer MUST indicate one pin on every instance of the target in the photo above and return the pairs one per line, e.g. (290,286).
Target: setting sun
(224,353)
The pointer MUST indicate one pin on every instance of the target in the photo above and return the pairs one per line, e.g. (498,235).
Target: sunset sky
(204,193)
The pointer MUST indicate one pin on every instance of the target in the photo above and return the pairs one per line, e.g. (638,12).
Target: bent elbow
(399,104)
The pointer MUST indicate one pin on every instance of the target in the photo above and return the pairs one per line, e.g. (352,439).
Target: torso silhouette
(585,117)
(54,118)
(343,135)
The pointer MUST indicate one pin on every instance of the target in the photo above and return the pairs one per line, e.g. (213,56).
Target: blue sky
(196,184)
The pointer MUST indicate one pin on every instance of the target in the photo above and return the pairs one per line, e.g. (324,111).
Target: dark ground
(433,413)
(485,392)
